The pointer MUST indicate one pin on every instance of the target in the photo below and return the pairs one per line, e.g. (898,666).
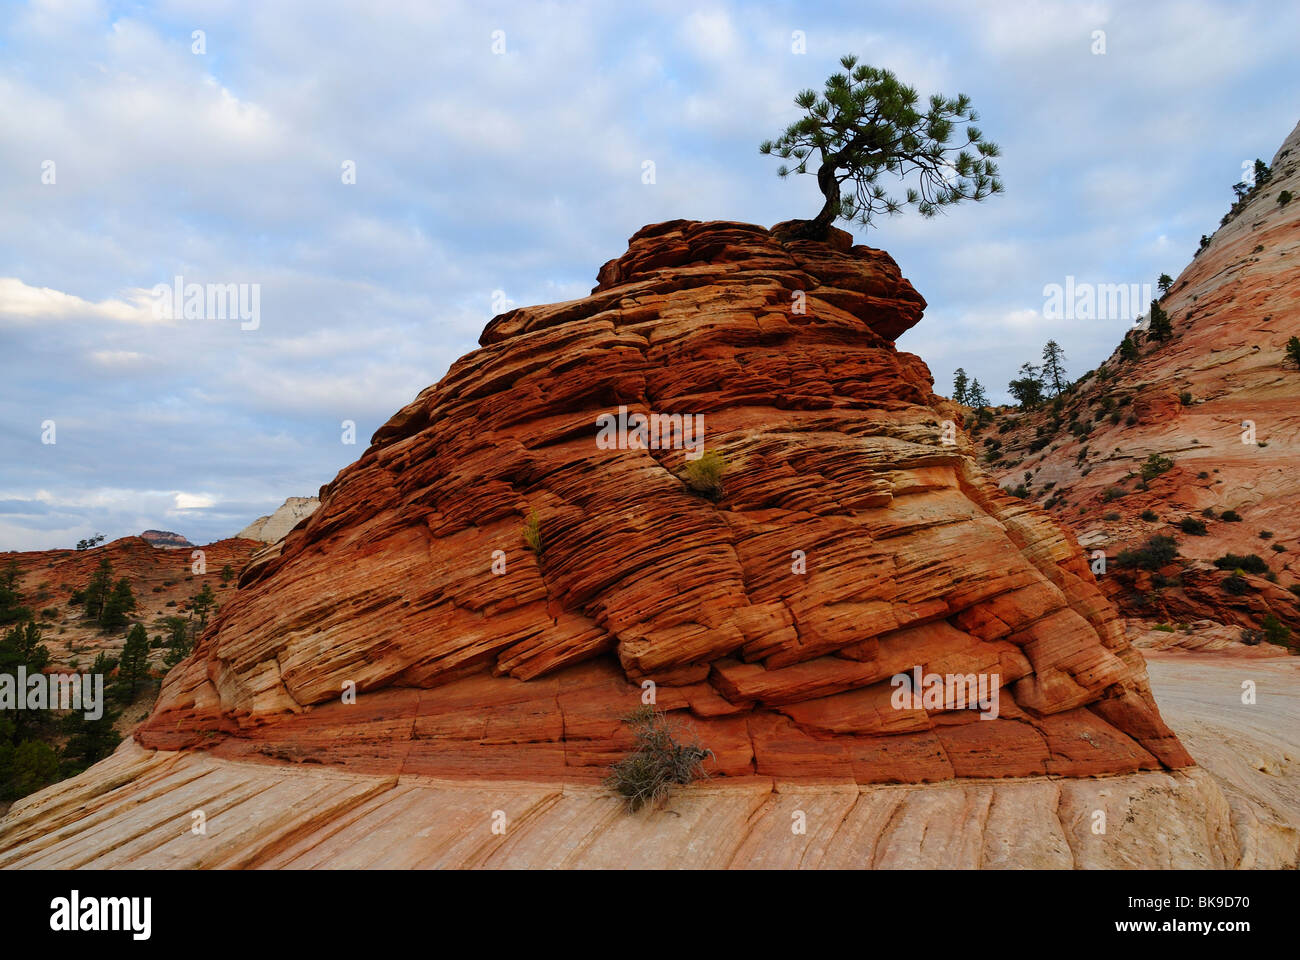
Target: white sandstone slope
(273,527)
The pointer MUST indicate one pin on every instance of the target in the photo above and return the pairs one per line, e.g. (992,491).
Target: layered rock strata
(853,539)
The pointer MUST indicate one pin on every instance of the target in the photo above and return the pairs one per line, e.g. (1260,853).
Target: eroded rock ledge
(835,446)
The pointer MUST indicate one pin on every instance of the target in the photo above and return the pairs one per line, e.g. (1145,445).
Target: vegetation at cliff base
(645,776)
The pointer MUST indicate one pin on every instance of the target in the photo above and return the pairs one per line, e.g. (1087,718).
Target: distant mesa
(273,527)
(165,539)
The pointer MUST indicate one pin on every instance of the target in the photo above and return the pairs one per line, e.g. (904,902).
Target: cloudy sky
(498,152)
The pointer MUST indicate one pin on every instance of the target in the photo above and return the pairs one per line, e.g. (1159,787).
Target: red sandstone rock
(849,543)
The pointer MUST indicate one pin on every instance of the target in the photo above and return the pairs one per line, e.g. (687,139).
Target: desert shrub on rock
(1155,465)
(1251,563)
(646,775)
(532,533)
(1152,555)
(704,475)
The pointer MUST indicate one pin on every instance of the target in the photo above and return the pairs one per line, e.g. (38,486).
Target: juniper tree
(959,385)
(865,123)
(1164,283)
(975,395)
(1054,367)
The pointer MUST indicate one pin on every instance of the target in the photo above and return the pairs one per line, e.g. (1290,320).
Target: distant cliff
(273,527)
(164,538)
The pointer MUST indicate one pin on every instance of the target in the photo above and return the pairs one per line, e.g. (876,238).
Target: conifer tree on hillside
(866,123)
(119,605)
(960,385)
(201,603)
(97,591)
(1054,367)
(1159,328)
(133,667)
(1028,387)
(178,641)
(11,600)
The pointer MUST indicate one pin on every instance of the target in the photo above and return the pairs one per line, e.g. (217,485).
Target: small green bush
(1266,534)
(1231,516)
(1113,515)
(645,776)
(1251,563)
(1150,516)
(1185,398)
(704,475)
(1192,526)
(1275,631)
(1235,584)
(1155,465)
(533,533)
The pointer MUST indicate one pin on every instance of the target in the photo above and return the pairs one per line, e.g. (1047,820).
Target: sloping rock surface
(1219,400)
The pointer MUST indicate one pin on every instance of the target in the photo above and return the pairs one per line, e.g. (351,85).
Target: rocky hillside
(1195,438)
(498,585)
(162,581)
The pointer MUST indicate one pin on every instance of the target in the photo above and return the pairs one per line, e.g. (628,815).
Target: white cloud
(194,501)
(21,302)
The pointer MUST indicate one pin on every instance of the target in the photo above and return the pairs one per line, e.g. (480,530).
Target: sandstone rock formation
(854,539)
(1218,400)
(164,538)
(272,527)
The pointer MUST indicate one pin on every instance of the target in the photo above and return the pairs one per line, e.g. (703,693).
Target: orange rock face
(1220,401)
(854,539)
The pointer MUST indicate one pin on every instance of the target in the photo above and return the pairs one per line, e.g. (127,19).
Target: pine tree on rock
(865,123)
